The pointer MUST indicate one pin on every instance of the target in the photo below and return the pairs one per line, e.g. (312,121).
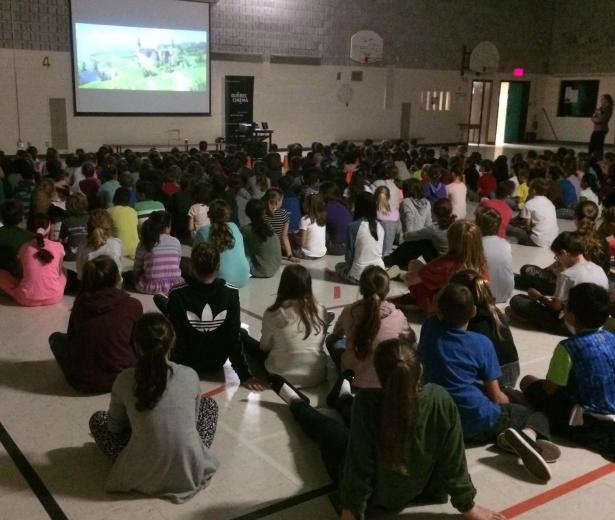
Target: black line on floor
(31,476)
(287,503)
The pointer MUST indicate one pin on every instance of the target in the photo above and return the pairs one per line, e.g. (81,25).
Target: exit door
(480,110)
(512,111)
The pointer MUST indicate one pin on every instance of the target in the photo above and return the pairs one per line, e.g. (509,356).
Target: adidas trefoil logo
(207,322)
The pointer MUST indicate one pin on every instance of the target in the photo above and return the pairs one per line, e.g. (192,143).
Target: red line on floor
(214,391)
(558,491)
(253,314)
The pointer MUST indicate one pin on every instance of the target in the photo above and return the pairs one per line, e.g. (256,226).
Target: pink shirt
(41,284)
(392,324)
(505,211)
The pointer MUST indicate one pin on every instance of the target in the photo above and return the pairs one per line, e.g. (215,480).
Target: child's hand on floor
(482,513)
(255,385)
(534,294)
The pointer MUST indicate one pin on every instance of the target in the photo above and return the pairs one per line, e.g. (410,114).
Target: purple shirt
(338,219)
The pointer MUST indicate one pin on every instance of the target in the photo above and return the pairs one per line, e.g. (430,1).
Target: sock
(288,395)
(345,390)
(530,433)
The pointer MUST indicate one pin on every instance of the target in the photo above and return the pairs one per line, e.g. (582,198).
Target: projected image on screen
(112,57)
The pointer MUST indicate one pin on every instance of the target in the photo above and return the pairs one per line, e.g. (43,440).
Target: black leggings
(411,251)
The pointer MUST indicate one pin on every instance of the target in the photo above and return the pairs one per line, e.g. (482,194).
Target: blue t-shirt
(569,194)
(293,207)
(456,359)
(234,266)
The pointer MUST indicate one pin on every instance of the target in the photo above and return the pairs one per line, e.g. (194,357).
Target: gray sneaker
(526,448)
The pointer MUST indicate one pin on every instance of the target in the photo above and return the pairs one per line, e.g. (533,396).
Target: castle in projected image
(114,57)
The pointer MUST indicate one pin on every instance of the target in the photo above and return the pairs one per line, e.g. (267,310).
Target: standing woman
(601,118)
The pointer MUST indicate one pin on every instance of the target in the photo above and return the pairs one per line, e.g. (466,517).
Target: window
(436,100)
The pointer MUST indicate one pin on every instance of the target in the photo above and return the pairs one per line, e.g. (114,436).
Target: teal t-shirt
(234,266)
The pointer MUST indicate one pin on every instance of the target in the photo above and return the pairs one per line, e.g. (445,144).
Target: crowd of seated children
(204,311)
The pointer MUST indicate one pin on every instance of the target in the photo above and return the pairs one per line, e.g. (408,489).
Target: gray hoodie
(415,214)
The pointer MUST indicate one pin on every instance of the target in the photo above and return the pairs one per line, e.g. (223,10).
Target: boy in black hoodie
(206,316)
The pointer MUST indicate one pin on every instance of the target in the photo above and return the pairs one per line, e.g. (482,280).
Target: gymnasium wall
(423,40)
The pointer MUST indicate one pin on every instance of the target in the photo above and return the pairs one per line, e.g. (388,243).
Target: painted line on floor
(288,503)
(558,491)
(214,391)
(252,314)
(31,477)
(340,306)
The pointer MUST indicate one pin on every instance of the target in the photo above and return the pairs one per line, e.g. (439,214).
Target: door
(516,111)
(480,110)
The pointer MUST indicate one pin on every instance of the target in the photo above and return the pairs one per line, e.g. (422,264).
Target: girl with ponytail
(43,279)
(158,255)
(364,324)
(98,343)
(262,244)
(226,238)
(146,430)
(101,241)
(405,442)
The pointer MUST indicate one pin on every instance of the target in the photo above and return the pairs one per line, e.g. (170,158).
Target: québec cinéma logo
(207,322)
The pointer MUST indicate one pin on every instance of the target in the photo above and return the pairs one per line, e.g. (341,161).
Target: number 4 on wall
(46,62)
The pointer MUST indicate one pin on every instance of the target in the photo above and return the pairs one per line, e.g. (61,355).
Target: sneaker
(334,394)
(527,449)
(277,382)
(394,271)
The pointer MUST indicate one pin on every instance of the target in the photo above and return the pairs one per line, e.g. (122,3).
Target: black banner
(239,95)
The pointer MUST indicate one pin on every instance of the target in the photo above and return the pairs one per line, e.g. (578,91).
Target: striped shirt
(157,271)
(145,208)
(277,220)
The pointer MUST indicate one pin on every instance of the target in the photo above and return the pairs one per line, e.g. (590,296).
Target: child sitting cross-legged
(404,444)
(547,313)
(581,370)
(456,359)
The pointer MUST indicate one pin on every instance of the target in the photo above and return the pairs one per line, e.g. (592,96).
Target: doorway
(480,111)
(512,112)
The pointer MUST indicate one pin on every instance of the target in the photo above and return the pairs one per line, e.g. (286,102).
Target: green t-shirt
(436,461)
(560,366)
(11,240)
(265,255)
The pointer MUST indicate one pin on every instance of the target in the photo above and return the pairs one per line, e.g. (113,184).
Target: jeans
(510,374)
(518,417)
(336,346)
(556,406)
(391,230)
(596,141)
(522,236)
(411,251)
(539,316)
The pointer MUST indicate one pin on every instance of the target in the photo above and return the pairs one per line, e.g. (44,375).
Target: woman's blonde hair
(383,198)
(465,245)
(100,228)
